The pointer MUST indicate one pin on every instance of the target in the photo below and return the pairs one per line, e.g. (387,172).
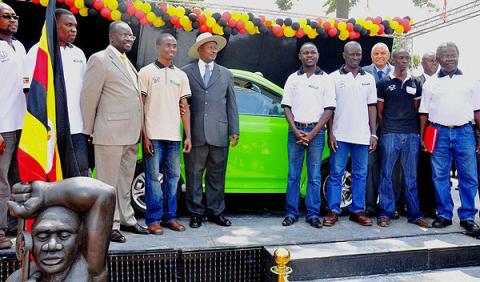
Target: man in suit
(112,115)
(214,124)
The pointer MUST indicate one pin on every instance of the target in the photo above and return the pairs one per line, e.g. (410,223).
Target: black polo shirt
(399,113)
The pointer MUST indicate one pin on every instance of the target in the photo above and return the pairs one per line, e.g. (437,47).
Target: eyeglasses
(9,17)
(128,36)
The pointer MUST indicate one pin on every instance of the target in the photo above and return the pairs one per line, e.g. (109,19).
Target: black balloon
(216,16)
(314,24)
(222,22)
(234,31)
(192,17)
(351,20)
(135,21)
(389,30)
(257,21)
(386,24)
(309,21)
(357,27)
(288,21)
(227,30)
(166,18)
(126,18)
(196,25)
(250,16)
(364,32)
(295,26)
(92,12)
(263,29)
(321,32)
(89,3)
(122,7)
(187,11)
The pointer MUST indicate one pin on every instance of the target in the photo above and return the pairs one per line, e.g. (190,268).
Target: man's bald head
(429,63)
(351,44)
(380,55)
(8,22)
(352,53)
(4,6)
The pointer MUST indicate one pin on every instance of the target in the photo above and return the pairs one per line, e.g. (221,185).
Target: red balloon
(69,3)
(74,10)
(210,30)
(381,30)
(262,19)
(144,21)
(232,23)
(59,1)
(35,1)
(327,26)
(98,5)
(163,6)
(197,11)
(377,20)
(174,20)
(352,35)
(350,27)
(300,33)
(242,31)
(240,25)
(203,28)
(407,28)
(139,14)
(106,12)
(226,15)
(131,11)
(332,31)
(201,19)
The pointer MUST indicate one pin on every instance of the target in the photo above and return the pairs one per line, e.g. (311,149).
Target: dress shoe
(422,222)
(220,220)
(361,218)
(396,215)
(330,219)
(155,229)
(370,212)
(470,226)
(116,236)
(287,221)
(195,221)
(315,222)
(137,229)
(5,243)
(174,225)
(383,221)
(441,222)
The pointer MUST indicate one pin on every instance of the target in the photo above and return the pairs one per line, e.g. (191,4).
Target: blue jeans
(405,146)
(338,163)
(166,156)
(459,144)
(296,154)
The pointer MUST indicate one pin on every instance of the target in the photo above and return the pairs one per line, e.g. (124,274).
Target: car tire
(346,187)
(137,189)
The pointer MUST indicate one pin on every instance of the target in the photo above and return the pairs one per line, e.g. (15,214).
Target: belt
(451,126)
(305,125)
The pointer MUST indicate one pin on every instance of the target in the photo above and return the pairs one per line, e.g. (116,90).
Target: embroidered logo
(391,87)
(176,83)
(156,79)
(3,56)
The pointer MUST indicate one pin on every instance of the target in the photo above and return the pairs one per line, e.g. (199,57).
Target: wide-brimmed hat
(204,38)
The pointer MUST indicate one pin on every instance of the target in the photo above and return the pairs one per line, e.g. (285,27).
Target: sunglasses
(9,17)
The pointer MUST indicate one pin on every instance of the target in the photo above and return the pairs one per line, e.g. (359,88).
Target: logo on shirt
(365,83)
(391,87)
(156,79)
(176,83)
(3,56)
(77,60)
(313,86)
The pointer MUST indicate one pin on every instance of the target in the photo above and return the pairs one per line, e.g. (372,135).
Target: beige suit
(112,114)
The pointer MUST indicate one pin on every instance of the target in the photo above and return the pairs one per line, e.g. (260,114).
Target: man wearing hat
(214,124)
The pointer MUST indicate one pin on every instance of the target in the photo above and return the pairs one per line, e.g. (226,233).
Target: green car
(259,163)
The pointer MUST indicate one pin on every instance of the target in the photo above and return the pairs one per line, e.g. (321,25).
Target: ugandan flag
(45,151)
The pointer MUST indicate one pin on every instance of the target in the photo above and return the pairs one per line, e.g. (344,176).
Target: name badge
(313,86)
(411,90)
(176,83)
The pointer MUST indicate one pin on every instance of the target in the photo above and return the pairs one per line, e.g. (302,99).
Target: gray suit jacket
(214,113)
(110,101)
(373,71)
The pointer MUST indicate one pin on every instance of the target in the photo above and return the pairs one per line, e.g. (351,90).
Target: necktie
(129,69)
(206,76)
(380,75)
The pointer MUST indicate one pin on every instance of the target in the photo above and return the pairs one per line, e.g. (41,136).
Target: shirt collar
(317,71)
(201,64)
(161,66)
(443,74)
(344,71)
(392,76)
(117,53)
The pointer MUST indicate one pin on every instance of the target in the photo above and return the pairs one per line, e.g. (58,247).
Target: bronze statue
(71,233)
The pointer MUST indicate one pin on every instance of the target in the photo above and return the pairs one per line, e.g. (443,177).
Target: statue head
(57,235)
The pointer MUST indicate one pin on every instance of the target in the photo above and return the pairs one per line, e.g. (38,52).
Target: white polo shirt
(308,96)
(353,96)
(74,66)
(13,105)
(450,101)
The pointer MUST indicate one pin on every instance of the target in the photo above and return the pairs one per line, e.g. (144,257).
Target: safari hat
(204,38)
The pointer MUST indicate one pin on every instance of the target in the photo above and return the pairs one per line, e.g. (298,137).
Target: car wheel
(346,199)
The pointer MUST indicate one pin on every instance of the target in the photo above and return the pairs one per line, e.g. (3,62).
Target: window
(255,100)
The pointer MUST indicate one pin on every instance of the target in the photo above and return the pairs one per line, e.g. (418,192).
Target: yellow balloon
(188,28)
(235,16)
(83,12)
(171,10)
(158,22)
(288,31)
(344,33)
(312,34)
(185,21)
(342,26)
(375,28)
(138,4)
(116,15)
(343,37)
(217,30)
(146,7)
(211,22)
(394,25)
(244,18)
(368,24)
(399,29)
(411,21)
(331,22)
(360,21)
(44,3)
(207,13)
(180,12)
(250,27)
(307,29)
(113,5)
(372,33)
(79,4)
(150,16)
(302,22)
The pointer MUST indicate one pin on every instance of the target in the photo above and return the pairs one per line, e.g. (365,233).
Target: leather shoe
(174,225)
(470,226)
(287,221)
(441,222)
(155,229)
(361,218)
(422,222)
(137,229)
(116,236)
(315,222)
(330,219)
(383,222)
(195,221)
(220,220)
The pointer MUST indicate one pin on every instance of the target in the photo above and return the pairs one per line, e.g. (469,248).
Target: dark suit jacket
(214,113)
(373,71)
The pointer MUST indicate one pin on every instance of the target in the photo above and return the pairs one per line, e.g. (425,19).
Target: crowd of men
(375,116)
